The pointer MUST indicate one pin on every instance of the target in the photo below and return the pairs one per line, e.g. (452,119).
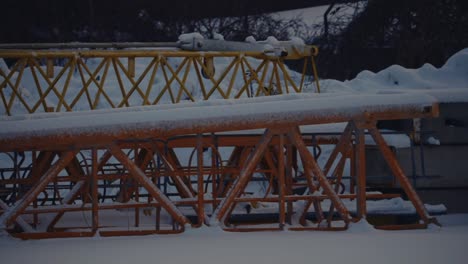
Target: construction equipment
(164,167)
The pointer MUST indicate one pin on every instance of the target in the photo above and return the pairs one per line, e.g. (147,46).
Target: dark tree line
(120,20)
(405,32)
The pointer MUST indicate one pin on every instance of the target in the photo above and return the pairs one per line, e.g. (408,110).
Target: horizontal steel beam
(98,136)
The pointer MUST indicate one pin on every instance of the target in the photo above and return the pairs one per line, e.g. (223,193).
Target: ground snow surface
(360,244)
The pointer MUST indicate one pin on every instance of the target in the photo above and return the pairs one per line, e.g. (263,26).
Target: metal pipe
(89,45)
(361,172)
(282,183)
(200,189)
(94,188)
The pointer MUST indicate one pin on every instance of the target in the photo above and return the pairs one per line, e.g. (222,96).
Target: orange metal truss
(154,191)
(67,183)
(56,72)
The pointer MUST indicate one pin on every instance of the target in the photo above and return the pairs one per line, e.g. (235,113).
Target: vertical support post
(137,194)
(137,209)
(288,180)
(94,189)
(131,66)
(361,172)
(50,68)
(282,187)
(215,179)
(352,180)
(35,215)
(215,182)
(209,70)
(200,192)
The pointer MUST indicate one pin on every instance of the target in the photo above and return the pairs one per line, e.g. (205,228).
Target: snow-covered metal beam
(98,128)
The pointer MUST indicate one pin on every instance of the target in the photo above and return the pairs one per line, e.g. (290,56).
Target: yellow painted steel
(141,77)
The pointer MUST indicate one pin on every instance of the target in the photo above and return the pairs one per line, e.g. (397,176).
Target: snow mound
(297,41)
(433,141)
(218,36)
(272,41)
(250,39)
(458,62)
(453,75)
(361,227)
(190,36)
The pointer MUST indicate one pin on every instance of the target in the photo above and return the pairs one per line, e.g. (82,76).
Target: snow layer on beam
(220,112)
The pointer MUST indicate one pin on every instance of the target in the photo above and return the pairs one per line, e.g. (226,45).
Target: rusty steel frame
(147,160)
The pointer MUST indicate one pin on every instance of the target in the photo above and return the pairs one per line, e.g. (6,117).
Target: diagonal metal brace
(310,164)
(141,178)
(13,212)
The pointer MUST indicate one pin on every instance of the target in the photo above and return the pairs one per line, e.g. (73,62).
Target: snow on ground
(360,244)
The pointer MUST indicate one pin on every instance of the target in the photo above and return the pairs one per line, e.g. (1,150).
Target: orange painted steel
(91,138)
(244,176)
(361,171)
(400,176)
(140,176)
(11,214)
(64,176)
(167,193)
(141,77)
